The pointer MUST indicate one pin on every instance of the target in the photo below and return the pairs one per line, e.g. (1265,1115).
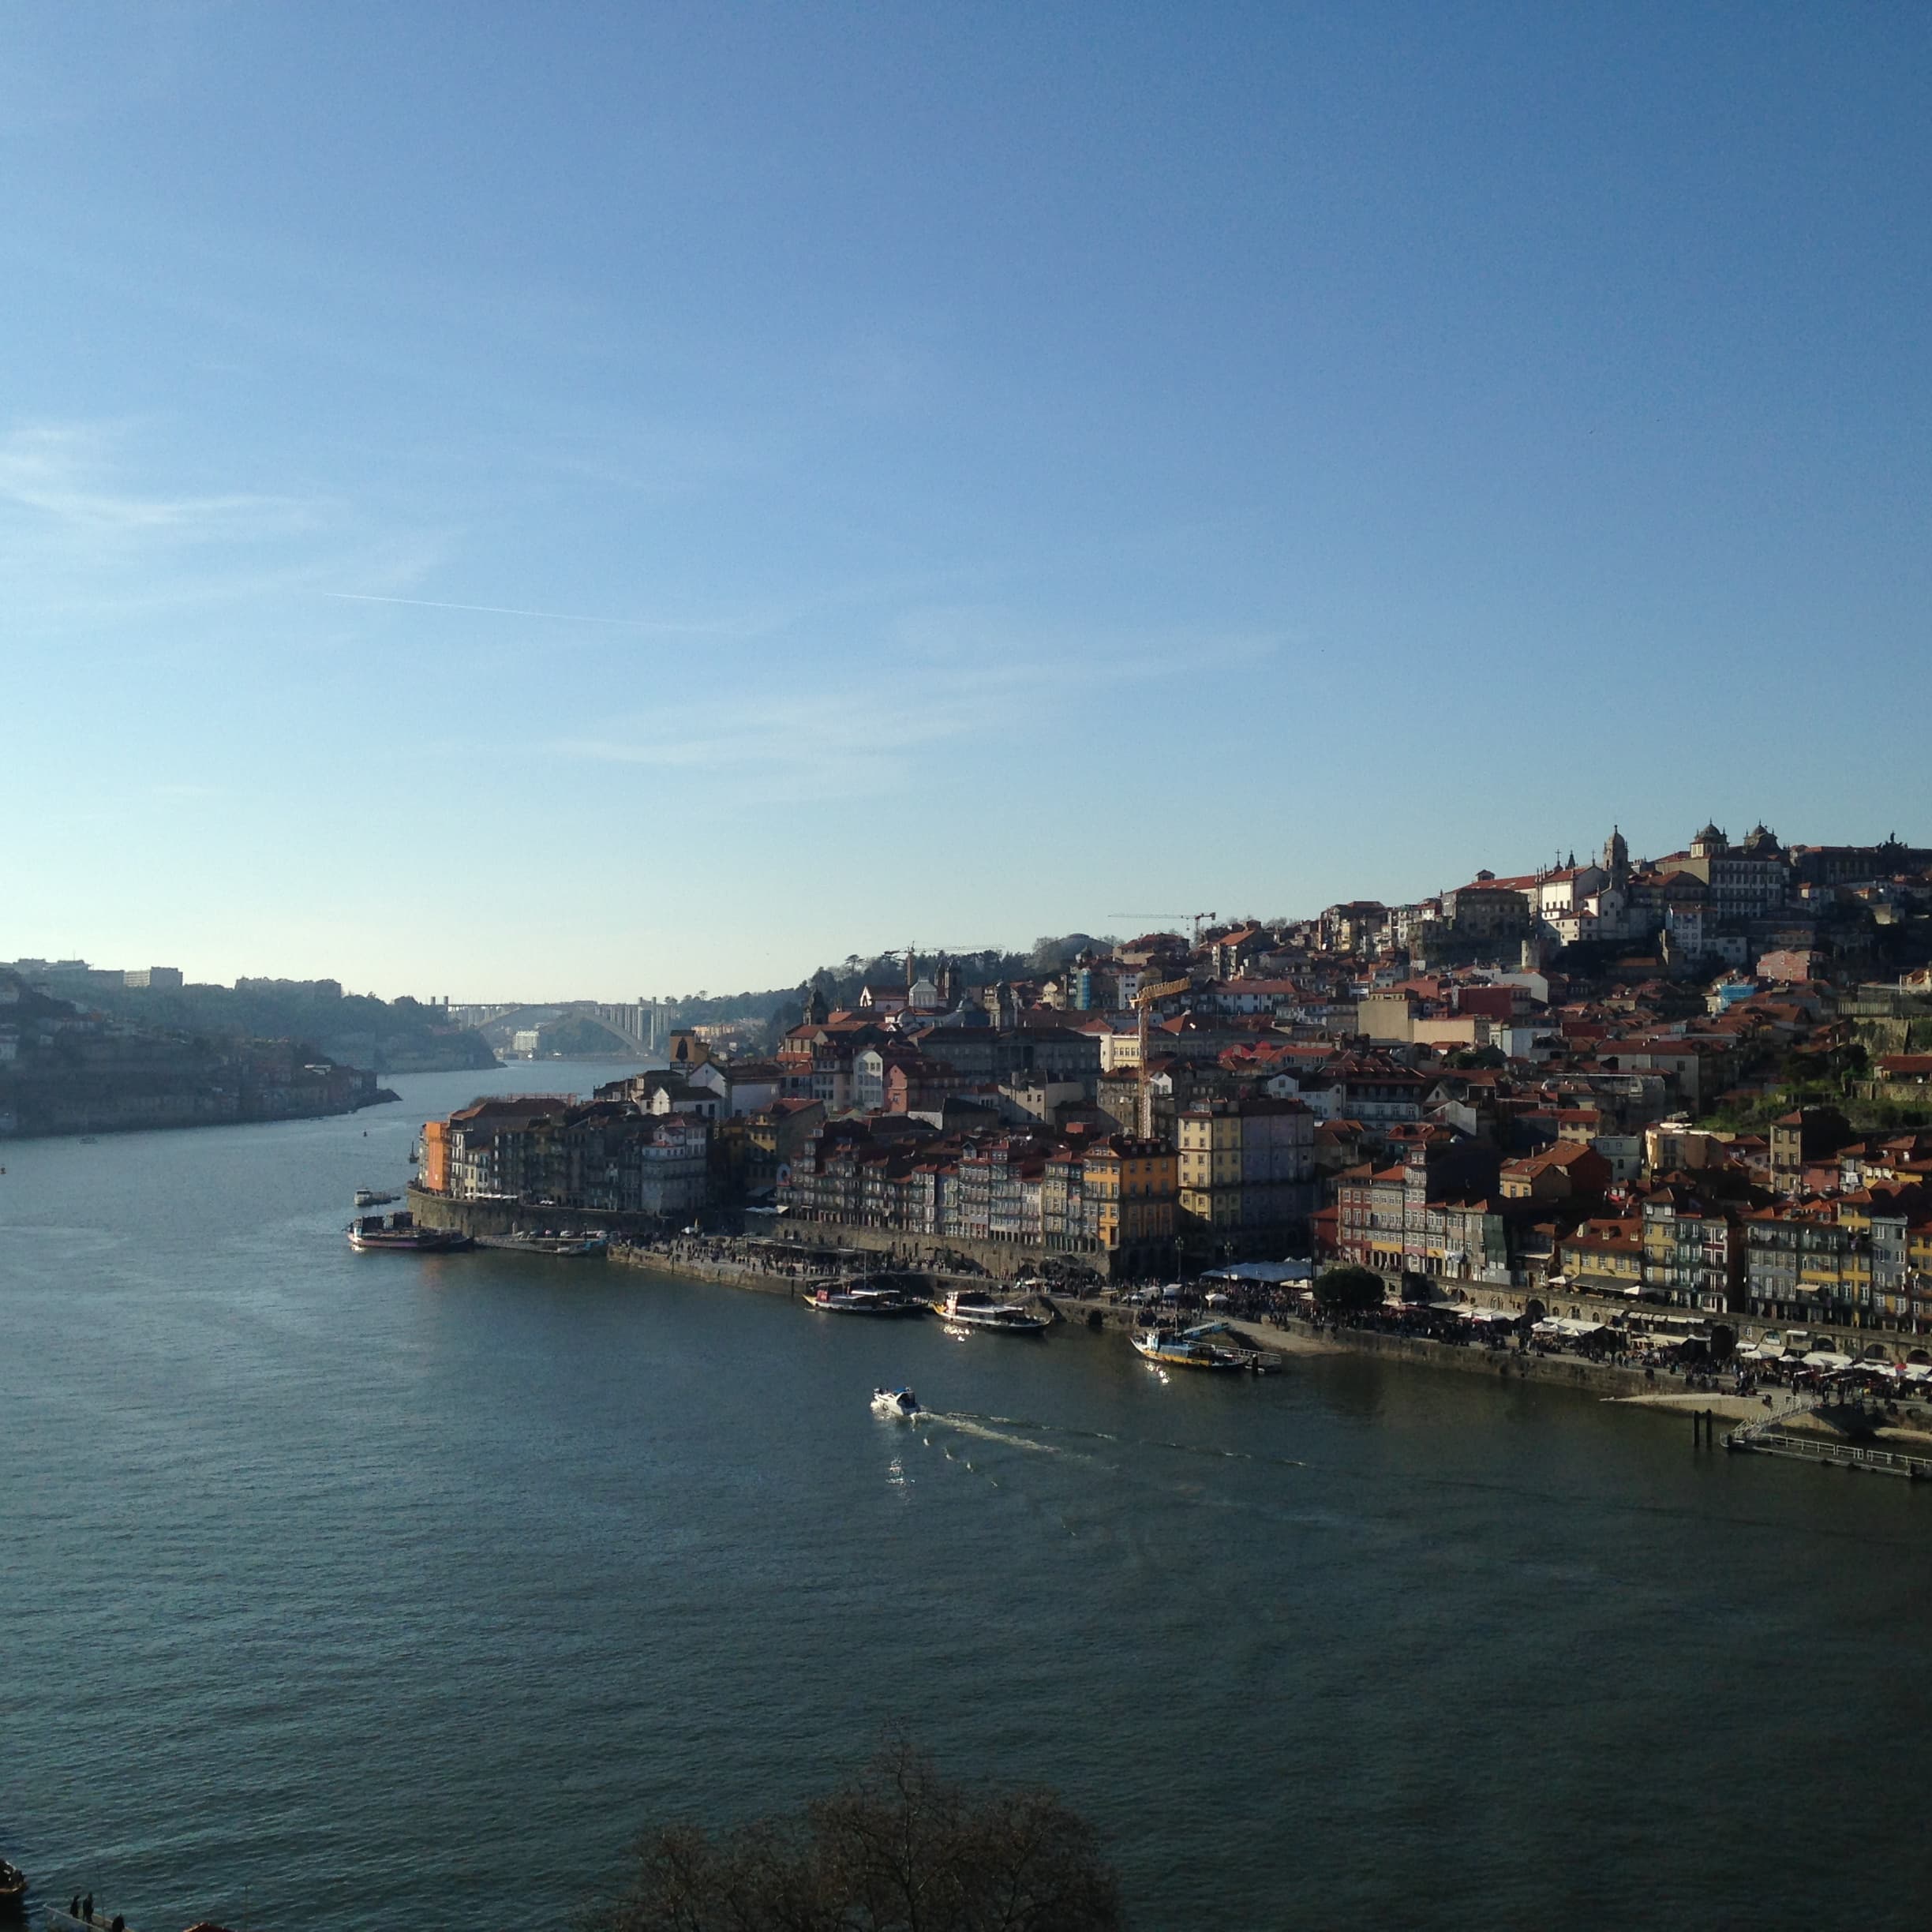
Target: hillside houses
(1514,1086)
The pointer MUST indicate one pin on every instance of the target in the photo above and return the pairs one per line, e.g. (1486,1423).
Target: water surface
(349,1591)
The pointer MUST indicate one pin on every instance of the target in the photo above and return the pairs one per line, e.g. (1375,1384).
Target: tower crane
(1144,1002)
(1199,918)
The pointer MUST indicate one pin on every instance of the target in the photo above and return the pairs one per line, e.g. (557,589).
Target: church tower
(1616,857)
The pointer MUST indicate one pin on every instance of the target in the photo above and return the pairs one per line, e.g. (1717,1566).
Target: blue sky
(938,475)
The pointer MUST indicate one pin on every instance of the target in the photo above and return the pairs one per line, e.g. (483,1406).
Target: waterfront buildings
(611,1156)
(1555,1086)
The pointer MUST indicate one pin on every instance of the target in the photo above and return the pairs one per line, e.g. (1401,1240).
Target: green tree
(897,1848)
(1350,1291)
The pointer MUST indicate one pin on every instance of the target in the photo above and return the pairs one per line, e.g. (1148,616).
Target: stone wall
(1002,1260)
(1471,1358)
(507,1217)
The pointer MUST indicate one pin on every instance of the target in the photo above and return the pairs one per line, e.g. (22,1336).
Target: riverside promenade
(1774,1417)
(775,1268)
(1291,1334)
(723,1261)
(769,1268)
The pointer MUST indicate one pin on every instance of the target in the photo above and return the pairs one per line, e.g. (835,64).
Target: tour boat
(897,1404)
(14,1881)
(398,1233)
(850,1301)
(974,1310)
(367,1197)
(1192,1349)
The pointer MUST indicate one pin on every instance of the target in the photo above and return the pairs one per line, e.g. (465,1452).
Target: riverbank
(1696,1401)
(769,1267)
(68,1115)
(735,1264)
(763,1272)
(1292,1334)
(724,1272)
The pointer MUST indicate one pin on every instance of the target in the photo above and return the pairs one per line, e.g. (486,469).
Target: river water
(344,1591)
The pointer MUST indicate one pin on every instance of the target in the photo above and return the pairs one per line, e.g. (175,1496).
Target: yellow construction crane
(1144,1002)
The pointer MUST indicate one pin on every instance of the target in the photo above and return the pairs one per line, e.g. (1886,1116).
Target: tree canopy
(896,1848)
(1348,1290)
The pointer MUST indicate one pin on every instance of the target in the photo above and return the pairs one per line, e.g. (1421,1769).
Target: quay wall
(1506,1365)
(914,1253)
(508,1217)
(1472,1358)
(1000,1259)
(1602,1379)
(726,1273)
(928,1282)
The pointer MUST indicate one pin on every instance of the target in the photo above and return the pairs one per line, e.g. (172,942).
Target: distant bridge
(639,1026)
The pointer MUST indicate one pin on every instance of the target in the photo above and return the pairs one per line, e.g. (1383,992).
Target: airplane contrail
(505,610)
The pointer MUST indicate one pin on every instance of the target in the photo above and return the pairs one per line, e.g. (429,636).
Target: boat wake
(975,1425)
(1209,1450)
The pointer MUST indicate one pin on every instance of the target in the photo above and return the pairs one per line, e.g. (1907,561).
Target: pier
(1864,1448)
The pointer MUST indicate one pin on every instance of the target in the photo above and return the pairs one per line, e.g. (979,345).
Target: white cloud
(957,678)
(65,478)
(91,537)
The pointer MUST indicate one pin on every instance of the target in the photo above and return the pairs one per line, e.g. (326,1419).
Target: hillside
(388,1036)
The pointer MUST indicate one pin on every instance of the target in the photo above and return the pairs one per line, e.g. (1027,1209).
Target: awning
(1273,1273)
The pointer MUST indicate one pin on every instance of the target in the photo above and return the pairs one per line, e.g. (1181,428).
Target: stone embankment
(1290,1335)
(735,1264)
(721,1269)
(510,1217)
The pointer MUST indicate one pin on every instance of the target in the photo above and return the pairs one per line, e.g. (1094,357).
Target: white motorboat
(896,1405)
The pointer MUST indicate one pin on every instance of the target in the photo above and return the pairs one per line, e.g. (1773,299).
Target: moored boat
(12,1886)
(400,1233)
(1194,1348)
(857,1300)
(897,1404)
(369,1197)
(970,1309)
